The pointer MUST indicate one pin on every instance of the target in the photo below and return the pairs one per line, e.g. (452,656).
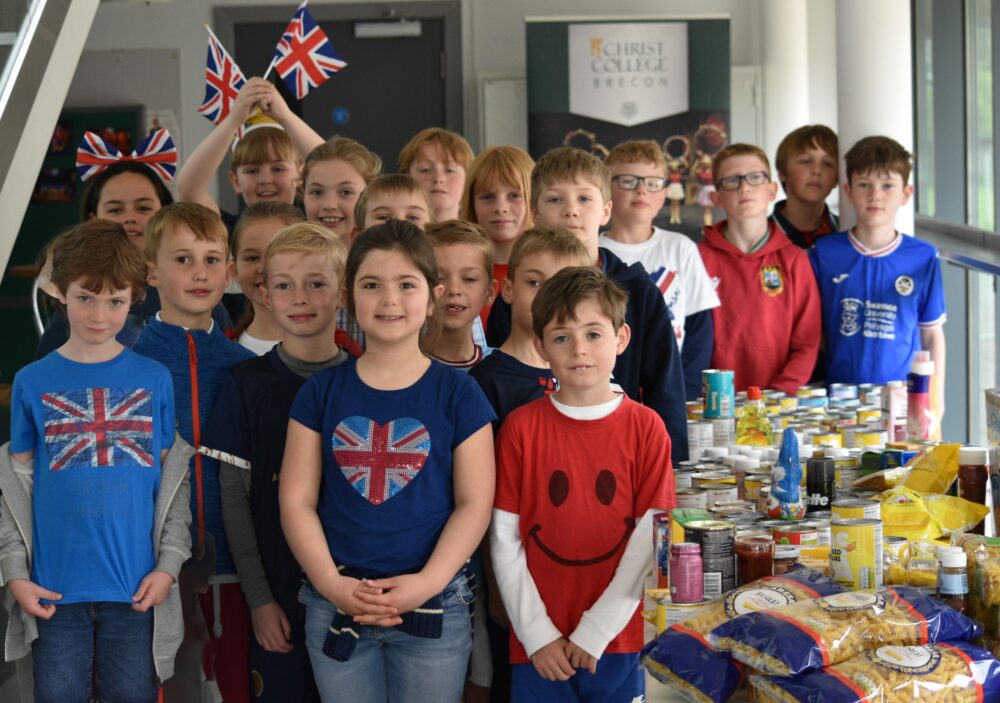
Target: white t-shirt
(676,268)
(260,347)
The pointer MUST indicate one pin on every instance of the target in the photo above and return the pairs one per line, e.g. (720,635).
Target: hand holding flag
(223,80)
(305,58)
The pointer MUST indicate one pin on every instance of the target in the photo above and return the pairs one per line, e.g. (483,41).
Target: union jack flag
(305,58)
(156,151)
(223,80)
(380,460)
(98,427)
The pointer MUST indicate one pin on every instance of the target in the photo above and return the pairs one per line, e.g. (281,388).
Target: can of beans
(856,554)
(718,540)
(856,508)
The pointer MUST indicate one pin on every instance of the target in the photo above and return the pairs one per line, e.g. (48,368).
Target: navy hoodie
(649,370)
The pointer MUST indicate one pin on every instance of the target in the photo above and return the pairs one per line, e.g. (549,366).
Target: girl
(386,491)
(257,226)
(439,160)
(496,197)
(334,175)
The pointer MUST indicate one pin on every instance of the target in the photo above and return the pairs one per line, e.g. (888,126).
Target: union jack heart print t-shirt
(387,462)
(96,431)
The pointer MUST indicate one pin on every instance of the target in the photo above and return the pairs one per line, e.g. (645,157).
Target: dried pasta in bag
(682,658)
(812,634)
(956,672)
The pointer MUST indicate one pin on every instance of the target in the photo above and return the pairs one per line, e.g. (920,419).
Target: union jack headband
(156,151)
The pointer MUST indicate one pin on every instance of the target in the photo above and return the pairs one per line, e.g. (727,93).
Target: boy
(438,159)
(303,273)
(186,248)
(881,291)
(768,327)
(807,163)
(571,469)
(638,191)
(571,189)
(394,196)
(95,517)
(464,257)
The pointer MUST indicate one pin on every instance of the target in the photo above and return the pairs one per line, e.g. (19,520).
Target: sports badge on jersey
(904,285)
(851,310)
(771,280)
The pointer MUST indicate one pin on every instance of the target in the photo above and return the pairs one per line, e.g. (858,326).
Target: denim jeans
(108,645)
(389,665)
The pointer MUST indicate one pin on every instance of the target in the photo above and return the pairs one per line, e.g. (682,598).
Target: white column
(874,82)
(785,60)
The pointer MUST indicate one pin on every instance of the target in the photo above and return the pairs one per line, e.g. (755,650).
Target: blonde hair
(204,223)
(389,184)
(640,151)
(553,240)
(738,149)
(451,143)
(309,238)
(506,165)
(452,232)
(263,144)
(367,164)
(567,164)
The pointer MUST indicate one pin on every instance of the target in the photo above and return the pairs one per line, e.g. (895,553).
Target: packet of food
(946,671)
(954,514)
(810,635)
(682,658)
(904,514)
(934,469)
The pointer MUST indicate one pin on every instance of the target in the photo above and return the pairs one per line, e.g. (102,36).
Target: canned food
(720,492)
(829,439)
(692,498)
(801,534)
(869,438)
(897,547)
(724,431)
(856,554)
(856,508)
(682,479)
(822,530)
(699,437)
(718,540)
(669,613)
(719,393)
(868,413)
(753,484)
(843,391)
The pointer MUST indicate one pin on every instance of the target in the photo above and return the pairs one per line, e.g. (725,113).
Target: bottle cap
(922,365)
(952,557)
(745,462)
(753,393)
(975,456)
(715,452)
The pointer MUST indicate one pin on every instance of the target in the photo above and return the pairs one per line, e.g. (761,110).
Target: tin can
(843,391)
(856,554)
(800,534)
(720,493)
(700,437)
(718,540)
(692,498)
(719,393)
(820,483)
(868,413)
(869,438)
(829,439)
(894,411)
(785,557)
(856,509)
(702,478)
(822,526)
(724,431)
(789,403)
(897,547)
(661,548)
(848,477)
(669,613)
(753,484)
(682,479)
(695,409)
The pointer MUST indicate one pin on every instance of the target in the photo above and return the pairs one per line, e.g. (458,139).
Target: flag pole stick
(269,67)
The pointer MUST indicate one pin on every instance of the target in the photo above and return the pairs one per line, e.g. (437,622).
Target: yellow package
(904,514)
(933,470)
(954,514)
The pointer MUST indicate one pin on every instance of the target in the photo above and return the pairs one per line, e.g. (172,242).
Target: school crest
(771,280)
(904,285)
(850,315)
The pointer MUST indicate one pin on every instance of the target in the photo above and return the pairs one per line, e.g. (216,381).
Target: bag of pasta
(682,658)
(812,634)
(956,672)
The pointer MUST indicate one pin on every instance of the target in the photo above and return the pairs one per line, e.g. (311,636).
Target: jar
(754,559)
(953,579)
(785,557)
(973,477)
(686,576)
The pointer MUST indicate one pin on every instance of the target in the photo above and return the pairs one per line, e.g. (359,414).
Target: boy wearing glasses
(638,190)
(768,326)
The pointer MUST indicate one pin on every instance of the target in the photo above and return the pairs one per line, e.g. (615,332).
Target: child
(266,161)
(394,196)
(386,490)
(571,469)
(464,258)
(438,159)
(94,525)
(807,163)
(638,190)
(571,189)
(257,330)
(496,198)
(334,175)
(303,271)
(186,247)
(882,292)
(768,327)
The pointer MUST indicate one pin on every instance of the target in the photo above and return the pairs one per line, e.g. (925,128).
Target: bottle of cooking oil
(754,427)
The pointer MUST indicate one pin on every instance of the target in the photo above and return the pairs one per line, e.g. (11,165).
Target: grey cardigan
(171,548)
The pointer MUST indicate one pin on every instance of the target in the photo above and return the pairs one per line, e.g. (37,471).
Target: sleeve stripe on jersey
(933,323)
(225,457)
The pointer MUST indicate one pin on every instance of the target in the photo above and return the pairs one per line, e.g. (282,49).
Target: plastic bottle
(953,579)
(920,420)
(754,427)
(686,574)
(973,477)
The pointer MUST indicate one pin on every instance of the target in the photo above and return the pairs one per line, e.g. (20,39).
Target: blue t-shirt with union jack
(386,492)
(96,431)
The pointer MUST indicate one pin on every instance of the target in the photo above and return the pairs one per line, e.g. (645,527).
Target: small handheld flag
(223,80)
(305,58)
(156,151)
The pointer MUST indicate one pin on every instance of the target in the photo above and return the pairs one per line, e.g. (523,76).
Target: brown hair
(264,210)
(389,184)
(263,144)
(642,151)
(738,149)
(203,223)
(309,238)
(561,295)
(507,165)
(100,253)
(451,143)
(452,232)
(569,164)
(367,164)
(802,139)
(878,155)
(553,240)
(394,235)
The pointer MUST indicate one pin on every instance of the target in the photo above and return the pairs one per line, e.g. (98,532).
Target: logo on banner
(628,73)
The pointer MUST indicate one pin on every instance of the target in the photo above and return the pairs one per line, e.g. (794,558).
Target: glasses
(754,178)
(626,181)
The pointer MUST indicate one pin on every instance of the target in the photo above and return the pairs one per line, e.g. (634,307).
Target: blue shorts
(618,680)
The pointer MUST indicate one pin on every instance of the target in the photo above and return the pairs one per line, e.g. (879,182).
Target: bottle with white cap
(953,579)
(973,478)
(920,420)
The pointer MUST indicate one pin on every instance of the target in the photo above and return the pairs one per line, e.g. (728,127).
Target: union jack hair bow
(156,151)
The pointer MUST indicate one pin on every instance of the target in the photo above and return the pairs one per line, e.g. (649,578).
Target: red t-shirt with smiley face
(579,487)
